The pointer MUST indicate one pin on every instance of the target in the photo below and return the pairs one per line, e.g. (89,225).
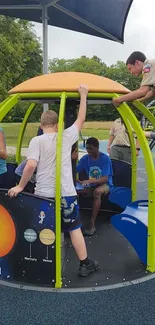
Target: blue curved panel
(132,223)
(121,196)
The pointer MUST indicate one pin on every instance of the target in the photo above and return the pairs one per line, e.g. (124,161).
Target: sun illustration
(7,232)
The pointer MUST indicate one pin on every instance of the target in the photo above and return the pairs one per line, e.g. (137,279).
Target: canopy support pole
(45,45)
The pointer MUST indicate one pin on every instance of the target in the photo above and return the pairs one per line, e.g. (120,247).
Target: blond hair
(49,118)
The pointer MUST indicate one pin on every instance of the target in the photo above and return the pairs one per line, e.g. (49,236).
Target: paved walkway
(12,151)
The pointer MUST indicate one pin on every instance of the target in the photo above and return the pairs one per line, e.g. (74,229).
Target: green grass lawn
(11,131)
(97,133)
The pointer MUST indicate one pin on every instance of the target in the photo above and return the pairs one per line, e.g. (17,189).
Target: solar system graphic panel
(27,239)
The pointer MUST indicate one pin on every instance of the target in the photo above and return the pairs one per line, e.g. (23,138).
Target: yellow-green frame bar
(133,156)
(151,184)
(5,101)
(22,130)
(68,95)
(7,105)
(145,111)
(133,152)
(58,283)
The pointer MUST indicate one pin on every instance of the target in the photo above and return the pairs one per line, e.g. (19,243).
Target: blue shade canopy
(102,18)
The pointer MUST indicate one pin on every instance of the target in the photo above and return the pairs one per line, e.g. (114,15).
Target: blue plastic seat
(133,224)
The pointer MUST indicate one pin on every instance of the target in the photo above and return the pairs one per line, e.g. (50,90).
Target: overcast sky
(139,35)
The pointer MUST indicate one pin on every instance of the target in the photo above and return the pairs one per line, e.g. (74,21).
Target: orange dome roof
(68,81)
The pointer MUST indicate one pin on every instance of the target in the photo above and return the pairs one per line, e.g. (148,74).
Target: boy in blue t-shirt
(98,168)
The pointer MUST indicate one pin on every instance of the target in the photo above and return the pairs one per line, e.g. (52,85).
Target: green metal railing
(58,283)
(7,105)
(151,184)
(22,130)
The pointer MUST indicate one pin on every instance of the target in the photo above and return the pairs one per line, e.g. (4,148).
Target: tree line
(21,59)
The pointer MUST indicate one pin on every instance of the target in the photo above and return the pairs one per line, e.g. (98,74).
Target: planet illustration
(47,237)
(30,235)
(7,232)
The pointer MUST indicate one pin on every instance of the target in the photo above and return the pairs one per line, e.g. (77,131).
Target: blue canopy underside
(102,18)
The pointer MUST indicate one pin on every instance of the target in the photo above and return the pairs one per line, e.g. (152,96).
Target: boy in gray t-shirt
(42,155)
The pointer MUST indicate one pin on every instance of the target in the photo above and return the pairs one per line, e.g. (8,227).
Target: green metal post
(151,184)
(6,106)
(58,283)
(22,130)
(145,111)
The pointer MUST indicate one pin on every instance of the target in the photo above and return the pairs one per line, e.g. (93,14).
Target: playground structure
(146,125)
(62,87)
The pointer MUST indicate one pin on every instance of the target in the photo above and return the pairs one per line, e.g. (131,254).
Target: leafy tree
(20,55)
(82,64)
(20,58)
(117,72)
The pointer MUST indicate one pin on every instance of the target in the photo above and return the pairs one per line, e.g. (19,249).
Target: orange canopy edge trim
(69,82)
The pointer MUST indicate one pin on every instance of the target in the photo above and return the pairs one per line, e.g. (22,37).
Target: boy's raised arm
(83,91)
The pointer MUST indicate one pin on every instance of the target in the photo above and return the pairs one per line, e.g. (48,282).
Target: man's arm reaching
(110,141)
(136,94)
(150,94)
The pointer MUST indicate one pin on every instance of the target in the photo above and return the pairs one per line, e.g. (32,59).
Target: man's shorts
(121,153)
